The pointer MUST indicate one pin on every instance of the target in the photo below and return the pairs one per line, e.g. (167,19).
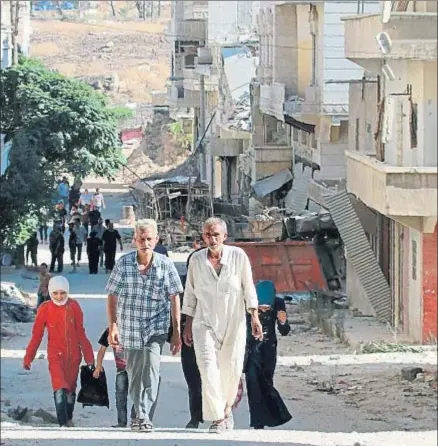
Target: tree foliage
(56,125)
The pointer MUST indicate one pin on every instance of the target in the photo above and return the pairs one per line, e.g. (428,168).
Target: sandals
(217,427)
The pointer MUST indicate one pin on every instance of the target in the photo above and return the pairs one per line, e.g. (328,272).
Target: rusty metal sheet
(293,266)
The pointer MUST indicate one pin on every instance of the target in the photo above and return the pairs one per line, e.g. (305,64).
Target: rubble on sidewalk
(14,307)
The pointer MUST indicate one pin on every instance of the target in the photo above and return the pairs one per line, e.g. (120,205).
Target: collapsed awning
(272,183)
(309,128)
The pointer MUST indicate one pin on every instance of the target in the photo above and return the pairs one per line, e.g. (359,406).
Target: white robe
(218,305)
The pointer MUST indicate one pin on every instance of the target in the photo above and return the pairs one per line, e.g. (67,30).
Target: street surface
(319,419)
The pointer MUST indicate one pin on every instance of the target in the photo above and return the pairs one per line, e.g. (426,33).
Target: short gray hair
(146,223)
(213,221)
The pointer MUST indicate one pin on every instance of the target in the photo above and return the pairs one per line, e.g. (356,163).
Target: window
(295,134)
(189,61)
(414,260)
(303,138)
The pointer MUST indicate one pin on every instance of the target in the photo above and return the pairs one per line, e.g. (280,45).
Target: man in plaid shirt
(143,294)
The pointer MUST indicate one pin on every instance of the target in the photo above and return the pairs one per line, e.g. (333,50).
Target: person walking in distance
(94,245)
(98,200)
(43,288)
(63,191)
(81,238)
(110,238)
(85,199)
(219,291)
(32,249)
(143,294)
(72,245)
(56,246)
(99,229)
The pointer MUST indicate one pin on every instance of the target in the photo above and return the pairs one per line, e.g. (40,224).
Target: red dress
(66,342)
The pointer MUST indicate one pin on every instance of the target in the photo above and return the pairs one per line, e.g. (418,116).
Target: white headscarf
(59,283)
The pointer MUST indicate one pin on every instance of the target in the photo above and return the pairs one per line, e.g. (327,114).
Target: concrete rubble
(14,307)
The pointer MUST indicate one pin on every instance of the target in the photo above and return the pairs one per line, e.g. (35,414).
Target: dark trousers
(43,232)
(64,404)
(57,257)
(33,256)
(85,225)
(42,299)
(193,380)
(73,254)
(79,251)
(110,259)
(93,262)
(122,387)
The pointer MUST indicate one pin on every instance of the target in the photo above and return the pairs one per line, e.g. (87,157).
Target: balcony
(413,36)
(178,96)
(271,159)
(226,147)
(191,30)
(392,190)
(191,81)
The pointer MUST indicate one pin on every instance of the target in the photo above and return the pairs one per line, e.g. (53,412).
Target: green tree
(56,125)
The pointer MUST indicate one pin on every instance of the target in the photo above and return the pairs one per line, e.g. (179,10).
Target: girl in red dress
(66,344)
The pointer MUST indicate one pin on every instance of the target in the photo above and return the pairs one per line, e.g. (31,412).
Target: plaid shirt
(143,304)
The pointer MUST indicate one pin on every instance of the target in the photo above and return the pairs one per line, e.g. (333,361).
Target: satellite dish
(384,42)
(388,73)
(386,11)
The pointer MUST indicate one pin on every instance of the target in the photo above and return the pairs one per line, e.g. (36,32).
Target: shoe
(70,423)
(217,427)
(77,264)
(146,427)
(257,428)
(192,425)
(120,426)
(135,425)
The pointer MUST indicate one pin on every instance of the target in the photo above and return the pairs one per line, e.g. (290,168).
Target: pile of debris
(158,152)
(14,307)
(241,116)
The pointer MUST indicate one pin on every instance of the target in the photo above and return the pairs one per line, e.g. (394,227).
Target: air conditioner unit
(384,42)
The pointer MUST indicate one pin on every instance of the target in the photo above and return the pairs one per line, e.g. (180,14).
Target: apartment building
(302,94)
(392,164)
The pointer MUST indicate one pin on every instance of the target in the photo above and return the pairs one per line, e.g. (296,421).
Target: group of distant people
(81,213)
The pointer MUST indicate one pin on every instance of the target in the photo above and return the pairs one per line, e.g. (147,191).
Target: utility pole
(202,156)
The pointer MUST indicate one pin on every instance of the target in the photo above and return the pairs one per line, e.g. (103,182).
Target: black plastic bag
(94,391)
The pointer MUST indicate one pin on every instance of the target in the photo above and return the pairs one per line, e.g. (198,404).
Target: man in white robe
(219,290)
